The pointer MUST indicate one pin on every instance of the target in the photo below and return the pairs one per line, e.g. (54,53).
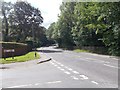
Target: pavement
(59,68)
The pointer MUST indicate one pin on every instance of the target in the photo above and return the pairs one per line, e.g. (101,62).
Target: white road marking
(18,86)
(36,83)
(69,68)
(75,78)
(110,66)
(91,58)
(75,72)
(59,67)
(54,60)
(66,67)
(62,69)
(106,62)
(58,63)
(54,82)
(94,82)
(96,60)
(83,77)
(52,63)
(62,65)
(67,72)
(115,58)
(55,65)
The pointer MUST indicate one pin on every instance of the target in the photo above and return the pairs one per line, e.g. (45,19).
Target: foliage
(5,9)
(22,22)
(88,24)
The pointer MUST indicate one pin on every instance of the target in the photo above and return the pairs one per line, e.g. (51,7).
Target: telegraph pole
(33,34)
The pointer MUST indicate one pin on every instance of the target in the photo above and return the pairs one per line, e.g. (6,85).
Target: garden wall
(10,49)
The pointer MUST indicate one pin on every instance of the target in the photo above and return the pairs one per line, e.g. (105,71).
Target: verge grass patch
(23,58)
(80,50)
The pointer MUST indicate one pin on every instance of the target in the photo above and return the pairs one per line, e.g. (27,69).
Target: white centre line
(70,69)
(62,69)
(52,63)
(67,72)
(75,78)
(83,77)
(59,67)
(58,63)
(62,65)
(55,65)
(94,82)
(75,72)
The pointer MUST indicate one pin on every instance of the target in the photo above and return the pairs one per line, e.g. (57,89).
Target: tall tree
(6,9)
(26,18)
(65,24)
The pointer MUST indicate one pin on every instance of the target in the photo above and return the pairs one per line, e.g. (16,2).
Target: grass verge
(80,50)
(23,58)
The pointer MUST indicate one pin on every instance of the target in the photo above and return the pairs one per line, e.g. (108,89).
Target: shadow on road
(44,61)
(4,67)
(49,51)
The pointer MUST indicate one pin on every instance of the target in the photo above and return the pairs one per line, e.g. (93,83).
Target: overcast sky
(48,8)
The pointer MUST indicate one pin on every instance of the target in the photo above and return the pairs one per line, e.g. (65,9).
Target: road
(67,69)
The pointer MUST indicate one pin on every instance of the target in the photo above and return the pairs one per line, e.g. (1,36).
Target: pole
(33,34)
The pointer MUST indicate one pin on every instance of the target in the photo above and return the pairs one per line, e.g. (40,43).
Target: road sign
(9,50)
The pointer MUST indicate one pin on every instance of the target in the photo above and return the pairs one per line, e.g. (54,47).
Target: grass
(80,50)
(23,58)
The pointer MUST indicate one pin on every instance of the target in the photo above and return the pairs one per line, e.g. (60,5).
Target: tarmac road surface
(66,69)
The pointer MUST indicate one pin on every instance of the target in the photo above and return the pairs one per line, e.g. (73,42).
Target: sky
(49,9)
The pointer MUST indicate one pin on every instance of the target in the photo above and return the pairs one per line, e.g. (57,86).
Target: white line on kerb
(94,82)
(110,66)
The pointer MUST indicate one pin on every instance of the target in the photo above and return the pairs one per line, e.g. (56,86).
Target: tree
(88,24)
(65,24)
(6,9)
(84,32)
(25,19)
